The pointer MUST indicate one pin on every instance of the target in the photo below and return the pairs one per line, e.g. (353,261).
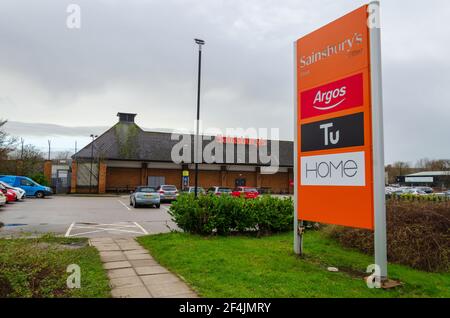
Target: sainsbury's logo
(332,97)
(344,46)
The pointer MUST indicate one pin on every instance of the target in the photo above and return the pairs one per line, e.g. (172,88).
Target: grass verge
(267,267)
(37,268)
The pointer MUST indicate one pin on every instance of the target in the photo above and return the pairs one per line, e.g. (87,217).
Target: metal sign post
(378,140)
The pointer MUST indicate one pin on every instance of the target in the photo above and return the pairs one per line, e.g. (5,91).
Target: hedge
(211,214)
(418,235)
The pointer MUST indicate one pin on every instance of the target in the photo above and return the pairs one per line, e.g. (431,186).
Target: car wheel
(158,206)
(131,202)
(40,195)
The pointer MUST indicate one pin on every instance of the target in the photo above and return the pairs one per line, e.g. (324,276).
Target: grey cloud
(139,56)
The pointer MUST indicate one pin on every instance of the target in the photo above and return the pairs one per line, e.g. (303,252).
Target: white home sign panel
(344,169)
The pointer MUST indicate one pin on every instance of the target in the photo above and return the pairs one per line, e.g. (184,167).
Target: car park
(31,188)
(200,190)
(145,195)
(20,193)
(219,190)
(245,192)
(168,192)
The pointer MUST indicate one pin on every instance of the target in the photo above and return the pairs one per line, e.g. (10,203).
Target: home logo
(345,169)
(336,96)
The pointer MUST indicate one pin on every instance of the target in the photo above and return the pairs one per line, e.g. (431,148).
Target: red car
(9,194)
(246,192)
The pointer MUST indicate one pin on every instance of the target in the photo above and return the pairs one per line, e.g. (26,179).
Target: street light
(92,161)
(200,43)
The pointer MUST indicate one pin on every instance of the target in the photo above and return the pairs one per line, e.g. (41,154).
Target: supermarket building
(126,156)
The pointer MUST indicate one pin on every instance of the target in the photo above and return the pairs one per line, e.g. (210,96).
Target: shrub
(40,179)
(418,234)
(225,214)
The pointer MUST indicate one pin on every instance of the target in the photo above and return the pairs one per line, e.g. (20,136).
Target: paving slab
(121,272)
(150,270)
(126,282)
(128,246)
(136,251)
(113,256)
(116,265)
(143,262)
(133,273)
(160,279)
(106,247)
(169,289)
(102,240)
(130,292)
(139,257)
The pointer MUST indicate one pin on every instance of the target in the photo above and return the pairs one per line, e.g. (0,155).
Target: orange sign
(334,130)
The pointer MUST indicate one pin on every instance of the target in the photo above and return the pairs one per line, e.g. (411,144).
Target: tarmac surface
(83,217)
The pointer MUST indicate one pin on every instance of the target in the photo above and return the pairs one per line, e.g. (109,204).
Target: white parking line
(139,226)
(122,227)
(69,229)
(126,206)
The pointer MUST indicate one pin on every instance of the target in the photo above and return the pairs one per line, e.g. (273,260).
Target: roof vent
(126,117)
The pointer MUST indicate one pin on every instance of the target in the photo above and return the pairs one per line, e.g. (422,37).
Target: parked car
(9,194)
(219,190)
(414,191)
(427,190)
(167,192)
(246,192)
(2,199)
(31,188)
(145,196)
(19,192)
(200,190)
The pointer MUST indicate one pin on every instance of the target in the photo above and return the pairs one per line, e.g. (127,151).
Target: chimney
(126,118)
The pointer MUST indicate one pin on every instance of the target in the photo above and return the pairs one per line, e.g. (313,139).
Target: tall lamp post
(197,149)
(92,161)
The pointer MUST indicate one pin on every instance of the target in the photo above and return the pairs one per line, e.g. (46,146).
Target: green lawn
(37,268)
(266,267)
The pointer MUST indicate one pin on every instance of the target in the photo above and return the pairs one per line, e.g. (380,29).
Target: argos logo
(329,96)
(343,94)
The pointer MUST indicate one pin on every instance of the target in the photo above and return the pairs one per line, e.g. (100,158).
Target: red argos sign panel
(336,96)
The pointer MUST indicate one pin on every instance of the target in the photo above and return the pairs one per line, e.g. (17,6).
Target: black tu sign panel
(333,133)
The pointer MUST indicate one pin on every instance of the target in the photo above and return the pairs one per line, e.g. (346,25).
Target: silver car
(200,190)
(168,192)
(145,196)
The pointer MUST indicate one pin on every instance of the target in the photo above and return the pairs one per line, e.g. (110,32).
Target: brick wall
(129,178)
(122,178)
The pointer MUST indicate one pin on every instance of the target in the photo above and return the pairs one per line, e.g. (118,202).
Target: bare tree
(7,142)
(62,155)
(433,165)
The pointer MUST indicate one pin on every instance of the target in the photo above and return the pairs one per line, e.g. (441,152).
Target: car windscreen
(147,190)
(250,190)
(224,190)
(169,188)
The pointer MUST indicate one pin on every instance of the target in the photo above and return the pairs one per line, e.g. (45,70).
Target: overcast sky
(139,56)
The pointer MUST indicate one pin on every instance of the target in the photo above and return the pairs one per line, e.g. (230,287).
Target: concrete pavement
(133,273)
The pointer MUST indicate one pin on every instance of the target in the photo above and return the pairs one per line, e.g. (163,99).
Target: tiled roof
(127,141)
